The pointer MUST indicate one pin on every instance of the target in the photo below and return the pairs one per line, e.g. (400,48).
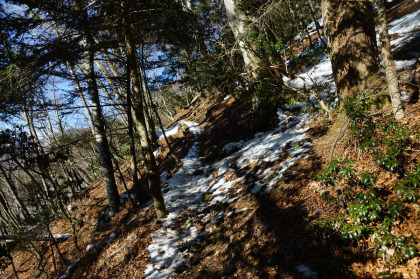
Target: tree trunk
(100,133)
(141,194)
(153,174)
(82,97)
(149,109)
(387,57)
(350,31)
(319,30)
(14,193)
(238,20)
(113,88)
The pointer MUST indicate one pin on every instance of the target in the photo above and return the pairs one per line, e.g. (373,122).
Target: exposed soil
(265,236)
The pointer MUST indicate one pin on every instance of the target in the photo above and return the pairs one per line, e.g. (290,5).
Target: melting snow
(404,64)
(405,28)
(183,190)
(157,151)
(70,207)
(68,270)
(90,247)
(110,237)
(172,131)
(58,236)
(320,73)
(186,188)
(406,24)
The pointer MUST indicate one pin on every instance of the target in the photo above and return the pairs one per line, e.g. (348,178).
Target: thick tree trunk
(350,31)
(387,57)
(153,174)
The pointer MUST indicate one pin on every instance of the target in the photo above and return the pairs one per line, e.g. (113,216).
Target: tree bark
(153,174)
(141,194)
(100,136)
(350,31)
(97,115)
(387,57)
(238,21)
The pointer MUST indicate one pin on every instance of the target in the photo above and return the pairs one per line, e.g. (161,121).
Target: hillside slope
(240,202)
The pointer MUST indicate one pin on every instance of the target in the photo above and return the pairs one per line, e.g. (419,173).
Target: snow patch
(406,24)
(68,270)
(110,237)
(404,64)
(405,96)
(90,247)
(320,73)
(58,236)
(193,126)
(70,207)
(157,151)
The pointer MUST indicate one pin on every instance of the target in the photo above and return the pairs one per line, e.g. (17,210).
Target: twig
(340,135)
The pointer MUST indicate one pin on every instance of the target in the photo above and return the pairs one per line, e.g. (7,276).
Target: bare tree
(387,57)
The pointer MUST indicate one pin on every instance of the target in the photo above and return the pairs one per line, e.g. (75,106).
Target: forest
(209,139)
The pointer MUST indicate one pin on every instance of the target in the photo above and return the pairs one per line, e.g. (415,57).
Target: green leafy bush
(367,211)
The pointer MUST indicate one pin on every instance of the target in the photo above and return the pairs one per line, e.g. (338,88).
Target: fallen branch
(35,238)
(340,135)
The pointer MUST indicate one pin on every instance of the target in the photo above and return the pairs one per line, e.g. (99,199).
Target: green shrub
(367,211)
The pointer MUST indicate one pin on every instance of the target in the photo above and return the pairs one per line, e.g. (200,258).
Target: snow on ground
(318,74)
(290,136)
(312,26)
(70,207)
(404,64)
(406,24)
(68,270)
(321,73)
(186,189)
(406,28)
(172,131)
(58,236)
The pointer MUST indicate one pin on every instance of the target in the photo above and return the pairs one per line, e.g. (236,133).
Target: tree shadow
(265,235)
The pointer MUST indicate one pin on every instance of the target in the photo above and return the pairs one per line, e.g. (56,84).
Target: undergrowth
(366,210)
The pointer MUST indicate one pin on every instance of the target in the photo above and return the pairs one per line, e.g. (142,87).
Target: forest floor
(240,202)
